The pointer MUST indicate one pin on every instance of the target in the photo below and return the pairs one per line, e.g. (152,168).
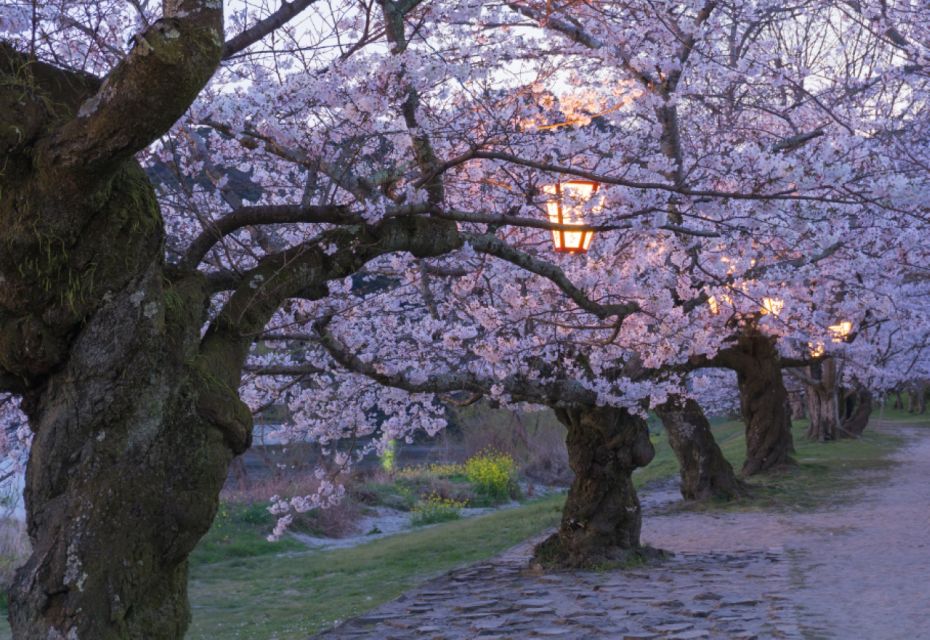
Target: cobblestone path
(737,596)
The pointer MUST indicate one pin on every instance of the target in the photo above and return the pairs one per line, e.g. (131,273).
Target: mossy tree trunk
(602,519)
(134,410)
(763,402)
(126,462)
(124,476)
(705,472)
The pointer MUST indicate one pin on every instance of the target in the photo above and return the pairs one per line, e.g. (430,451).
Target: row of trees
(342,206)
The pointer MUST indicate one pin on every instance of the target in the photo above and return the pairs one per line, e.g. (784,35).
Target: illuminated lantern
(566,207)
(772,305)
(841,330)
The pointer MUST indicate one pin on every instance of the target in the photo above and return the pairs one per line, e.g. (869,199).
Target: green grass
(825,471)
(292,596)
(239,531)
(729,435)
(296,595)
(899,416)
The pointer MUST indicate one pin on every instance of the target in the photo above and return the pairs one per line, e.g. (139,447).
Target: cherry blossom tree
(178,207)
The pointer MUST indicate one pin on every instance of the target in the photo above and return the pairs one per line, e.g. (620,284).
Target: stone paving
(738,596)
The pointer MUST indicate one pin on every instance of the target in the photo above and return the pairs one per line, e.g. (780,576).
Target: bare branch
(790,195)
(286,12)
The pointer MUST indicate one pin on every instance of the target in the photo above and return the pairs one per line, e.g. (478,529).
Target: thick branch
(557,393)
(797,141)
(28,88)
(268,214)
(144,95)
(303,271)
(435,383)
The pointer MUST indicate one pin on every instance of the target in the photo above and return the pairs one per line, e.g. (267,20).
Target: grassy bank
(245,587)
(292,596)
(829,472)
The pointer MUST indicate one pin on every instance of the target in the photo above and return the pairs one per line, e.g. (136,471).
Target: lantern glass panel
(567,207)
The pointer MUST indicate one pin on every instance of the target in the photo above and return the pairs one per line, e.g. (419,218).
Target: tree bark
(856,410)
(132,432)
(798,403)
(763,402)
(123,480)
(705,472)
(822,388)
(602,519)
(835,412)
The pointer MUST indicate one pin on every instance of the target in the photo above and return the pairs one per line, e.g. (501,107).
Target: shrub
(389,457)
(493,474)
(436,509)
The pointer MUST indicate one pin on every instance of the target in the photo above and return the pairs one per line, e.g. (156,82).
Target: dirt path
(860,570)
(865,571)
(857,571)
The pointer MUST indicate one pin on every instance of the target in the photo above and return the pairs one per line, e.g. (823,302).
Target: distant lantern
(566,208)
(772,305)
(841,330)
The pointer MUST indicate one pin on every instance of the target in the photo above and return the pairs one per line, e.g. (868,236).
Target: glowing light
(566,208)
(772,305)
(841,330)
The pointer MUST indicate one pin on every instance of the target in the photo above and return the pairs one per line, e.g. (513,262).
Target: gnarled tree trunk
(133,429)
(602,519)
(822,388)
(123,478)
(705,473)
(835,412)
(855,412)
(763,402)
